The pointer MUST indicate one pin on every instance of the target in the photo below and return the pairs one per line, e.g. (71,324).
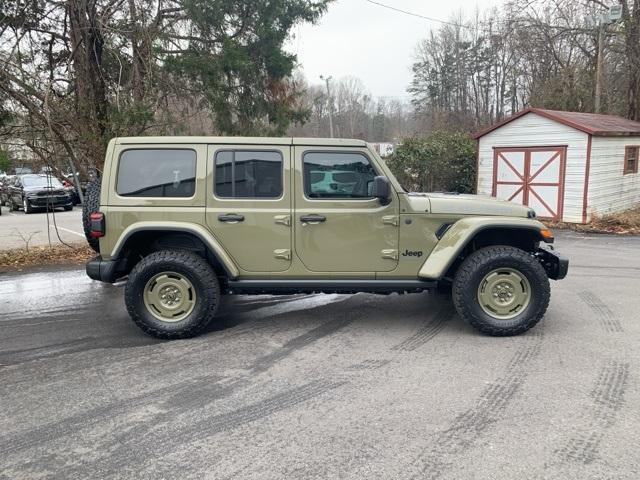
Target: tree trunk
(87,43)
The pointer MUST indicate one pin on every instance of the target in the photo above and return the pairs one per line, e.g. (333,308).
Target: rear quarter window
(156,173)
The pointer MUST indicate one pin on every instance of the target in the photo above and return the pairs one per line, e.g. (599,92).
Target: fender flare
(203,234)
(461,233)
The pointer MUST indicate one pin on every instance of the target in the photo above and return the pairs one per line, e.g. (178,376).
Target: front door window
(335,175)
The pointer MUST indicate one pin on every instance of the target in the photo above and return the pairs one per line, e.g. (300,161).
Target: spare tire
(91,204)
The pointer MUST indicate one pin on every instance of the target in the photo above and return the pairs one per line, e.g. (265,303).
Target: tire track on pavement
(89,418)
(470,425)
(189,395)
(134,449)
(15,357)
(607,319)
(370,364)
(607,400)
(427,330)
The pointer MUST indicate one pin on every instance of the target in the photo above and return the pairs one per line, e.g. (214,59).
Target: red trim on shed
(585,190)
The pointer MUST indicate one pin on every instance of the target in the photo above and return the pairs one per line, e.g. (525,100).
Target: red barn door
(532,176)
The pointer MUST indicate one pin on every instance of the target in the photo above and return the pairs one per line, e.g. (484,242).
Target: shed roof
(591,123)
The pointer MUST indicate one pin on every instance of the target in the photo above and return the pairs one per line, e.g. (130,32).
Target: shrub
(440,161)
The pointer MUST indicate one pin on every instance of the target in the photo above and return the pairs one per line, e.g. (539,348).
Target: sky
(358,38)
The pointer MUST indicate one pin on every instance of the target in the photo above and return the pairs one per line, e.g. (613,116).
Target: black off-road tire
(196,270)
(480,263)
(91,204)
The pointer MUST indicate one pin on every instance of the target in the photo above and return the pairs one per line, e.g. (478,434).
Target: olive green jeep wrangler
(188,219)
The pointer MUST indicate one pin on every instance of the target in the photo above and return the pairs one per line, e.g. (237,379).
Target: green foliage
(440,161)
(5,162)
(244,80)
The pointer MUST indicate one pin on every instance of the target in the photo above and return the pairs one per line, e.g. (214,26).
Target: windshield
(40,181)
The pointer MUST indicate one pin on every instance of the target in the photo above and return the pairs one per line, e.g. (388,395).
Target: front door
(532,176)
(249,204)
(338,225)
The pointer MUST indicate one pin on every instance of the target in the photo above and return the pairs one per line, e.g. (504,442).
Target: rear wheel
(501,290)
(172,294)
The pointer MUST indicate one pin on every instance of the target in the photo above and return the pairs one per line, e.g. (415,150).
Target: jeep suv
(188,219)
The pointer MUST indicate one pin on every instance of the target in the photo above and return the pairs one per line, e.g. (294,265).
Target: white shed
(564,165)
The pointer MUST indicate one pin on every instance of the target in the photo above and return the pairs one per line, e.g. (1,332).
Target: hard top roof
(326,142)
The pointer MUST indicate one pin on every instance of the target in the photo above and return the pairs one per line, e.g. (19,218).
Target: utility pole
(601,21)
(329,104)
(599,67)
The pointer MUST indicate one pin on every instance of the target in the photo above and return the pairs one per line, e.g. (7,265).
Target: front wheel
(172,294)
(501,290)
(26,206)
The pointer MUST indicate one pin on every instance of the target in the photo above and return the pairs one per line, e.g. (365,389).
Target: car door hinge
(390,220)
(283,220)
(283,253)
(391,254)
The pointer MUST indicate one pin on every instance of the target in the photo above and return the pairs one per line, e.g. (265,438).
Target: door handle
(231,218)
(312,219)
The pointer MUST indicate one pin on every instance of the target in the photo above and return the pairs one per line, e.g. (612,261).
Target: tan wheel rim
(169,296)
(504,293)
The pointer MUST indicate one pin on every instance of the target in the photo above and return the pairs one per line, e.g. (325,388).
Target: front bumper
(104,270)
(52,201)
(555,265)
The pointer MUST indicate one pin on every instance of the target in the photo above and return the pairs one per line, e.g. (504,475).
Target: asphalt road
(16,228)
(325,386)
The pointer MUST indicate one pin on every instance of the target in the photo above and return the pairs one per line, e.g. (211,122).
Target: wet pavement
(324,386)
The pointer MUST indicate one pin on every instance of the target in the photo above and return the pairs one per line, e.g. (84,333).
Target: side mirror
(381,190)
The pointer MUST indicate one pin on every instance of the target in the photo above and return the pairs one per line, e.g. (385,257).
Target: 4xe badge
(412,253)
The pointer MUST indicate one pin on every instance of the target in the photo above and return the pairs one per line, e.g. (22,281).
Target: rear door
(339,226)
(248,205)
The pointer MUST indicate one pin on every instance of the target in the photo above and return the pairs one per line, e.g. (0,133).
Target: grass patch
(19,258)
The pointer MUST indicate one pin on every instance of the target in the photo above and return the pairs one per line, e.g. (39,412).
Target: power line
(416,14)
(477,28)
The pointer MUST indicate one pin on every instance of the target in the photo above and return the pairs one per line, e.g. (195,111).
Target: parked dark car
(4,189)
(38,191)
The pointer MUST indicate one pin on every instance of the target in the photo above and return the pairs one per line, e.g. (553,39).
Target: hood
(464,204)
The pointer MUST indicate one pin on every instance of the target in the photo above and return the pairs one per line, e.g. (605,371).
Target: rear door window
(157,173)
(248,174)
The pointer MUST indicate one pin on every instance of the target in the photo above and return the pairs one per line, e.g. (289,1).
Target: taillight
(96,228)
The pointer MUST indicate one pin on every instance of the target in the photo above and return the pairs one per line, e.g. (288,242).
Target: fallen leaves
(626,222)
(19,258)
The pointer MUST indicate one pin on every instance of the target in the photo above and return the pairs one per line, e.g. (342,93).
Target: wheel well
(522,238)
(142,243)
